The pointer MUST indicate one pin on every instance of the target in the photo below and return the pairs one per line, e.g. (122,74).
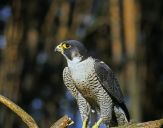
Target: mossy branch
(65,121)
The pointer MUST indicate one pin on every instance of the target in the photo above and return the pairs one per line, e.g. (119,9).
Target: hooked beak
(59,48)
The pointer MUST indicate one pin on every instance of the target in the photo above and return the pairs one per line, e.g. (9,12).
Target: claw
(85,122)
(96,125)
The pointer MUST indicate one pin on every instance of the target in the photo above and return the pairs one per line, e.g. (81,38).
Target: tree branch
(65,121)
(149,124)
(27,119)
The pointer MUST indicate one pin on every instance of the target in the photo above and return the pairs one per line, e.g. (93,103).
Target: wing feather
(110,83)
(108,80)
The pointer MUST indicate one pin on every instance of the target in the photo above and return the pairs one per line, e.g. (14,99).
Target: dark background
(126,34)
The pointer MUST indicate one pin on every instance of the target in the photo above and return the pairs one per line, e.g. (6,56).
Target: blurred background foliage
(126,34)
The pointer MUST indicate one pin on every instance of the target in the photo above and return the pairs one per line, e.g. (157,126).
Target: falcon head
(72,50)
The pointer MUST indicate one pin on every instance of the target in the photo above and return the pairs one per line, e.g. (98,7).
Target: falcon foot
(85,123)
(96,125)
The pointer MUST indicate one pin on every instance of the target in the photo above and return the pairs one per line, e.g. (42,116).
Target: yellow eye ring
(66,45)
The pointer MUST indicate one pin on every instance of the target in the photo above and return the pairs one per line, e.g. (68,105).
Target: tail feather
(123,106)
(122,115)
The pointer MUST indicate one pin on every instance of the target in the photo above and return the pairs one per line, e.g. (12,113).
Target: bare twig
(63,122)
(27,119)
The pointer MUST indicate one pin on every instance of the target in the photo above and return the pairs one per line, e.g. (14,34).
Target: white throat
(74,61)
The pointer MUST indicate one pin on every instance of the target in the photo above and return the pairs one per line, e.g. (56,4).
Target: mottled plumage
(93,84)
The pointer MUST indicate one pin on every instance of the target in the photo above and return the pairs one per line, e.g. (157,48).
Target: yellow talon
(85,122)
(96,125)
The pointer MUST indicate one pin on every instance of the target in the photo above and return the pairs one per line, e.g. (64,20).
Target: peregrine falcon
(94,86)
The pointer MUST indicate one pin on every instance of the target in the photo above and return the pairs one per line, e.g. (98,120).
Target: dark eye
(67,45)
